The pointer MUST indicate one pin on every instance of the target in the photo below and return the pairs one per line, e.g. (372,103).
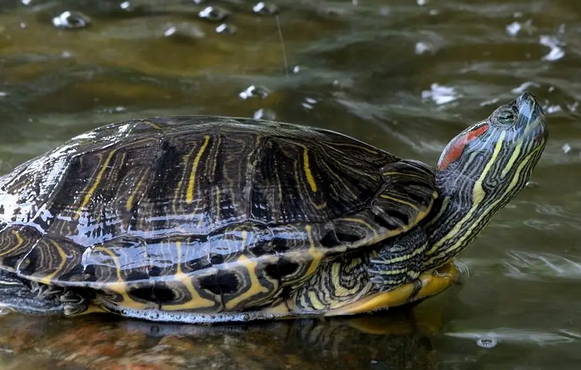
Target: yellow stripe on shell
(307,169)
(192,182)
(129,204)
(413,206)
(92,189)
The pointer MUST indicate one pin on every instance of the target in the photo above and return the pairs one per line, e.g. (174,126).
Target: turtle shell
(202,213)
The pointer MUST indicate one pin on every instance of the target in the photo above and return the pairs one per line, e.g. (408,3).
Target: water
(403,75)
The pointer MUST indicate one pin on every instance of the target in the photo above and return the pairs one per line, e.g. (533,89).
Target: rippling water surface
(404,75)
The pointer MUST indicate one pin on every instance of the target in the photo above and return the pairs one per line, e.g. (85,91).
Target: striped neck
(471,191)
(482,169)
(452,228)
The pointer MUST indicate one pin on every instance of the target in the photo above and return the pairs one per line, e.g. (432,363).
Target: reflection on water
(403,75)
(397,341)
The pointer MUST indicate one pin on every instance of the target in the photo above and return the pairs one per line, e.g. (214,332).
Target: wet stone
(71,20)
(213,14)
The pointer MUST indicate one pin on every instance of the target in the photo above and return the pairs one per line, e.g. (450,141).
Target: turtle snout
(528,107)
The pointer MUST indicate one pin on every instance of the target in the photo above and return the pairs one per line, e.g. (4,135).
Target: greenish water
(403,75)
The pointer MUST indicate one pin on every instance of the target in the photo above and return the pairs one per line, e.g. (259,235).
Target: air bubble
(254,92)
(309,103)
(154,315)
(225,28)
(213,14)
(265,113)
(184,32)
(566,148)
(71,20)
(263,8)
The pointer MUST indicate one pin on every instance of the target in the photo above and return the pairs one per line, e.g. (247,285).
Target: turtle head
(482,169)
(502,150)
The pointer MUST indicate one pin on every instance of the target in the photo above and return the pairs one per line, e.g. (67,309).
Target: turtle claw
(48,291)
(72,309)
(70,297)
(73,303)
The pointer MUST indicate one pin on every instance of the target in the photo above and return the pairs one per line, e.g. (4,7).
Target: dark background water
(403,75)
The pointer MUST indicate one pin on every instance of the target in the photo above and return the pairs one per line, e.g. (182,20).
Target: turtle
(203,219)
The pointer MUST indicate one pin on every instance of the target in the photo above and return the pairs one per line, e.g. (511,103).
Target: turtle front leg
(399,260)
(37,299)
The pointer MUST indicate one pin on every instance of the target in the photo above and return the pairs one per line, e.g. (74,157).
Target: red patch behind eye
(455,148)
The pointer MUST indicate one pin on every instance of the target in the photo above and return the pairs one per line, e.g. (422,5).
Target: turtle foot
(28,297)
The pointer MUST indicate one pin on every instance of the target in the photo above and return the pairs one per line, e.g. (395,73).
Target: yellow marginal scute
(314,252)
(254,287)
(62,254)
(196,300)
(192,181)
(120,286)
(19,240)
(432,283)
(95,184)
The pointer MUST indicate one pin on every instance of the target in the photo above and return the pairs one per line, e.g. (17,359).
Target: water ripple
(511,335)
(541,266)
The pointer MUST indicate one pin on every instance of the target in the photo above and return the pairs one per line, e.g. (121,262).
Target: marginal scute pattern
(202,213)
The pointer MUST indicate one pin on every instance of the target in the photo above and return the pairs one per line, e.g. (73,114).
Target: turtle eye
(505,117)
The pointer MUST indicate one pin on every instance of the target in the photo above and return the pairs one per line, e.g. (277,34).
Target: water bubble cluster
(487,342)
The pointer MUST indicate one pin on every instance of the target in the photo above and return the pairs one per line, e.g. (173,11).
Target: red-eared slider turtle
(194,219)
